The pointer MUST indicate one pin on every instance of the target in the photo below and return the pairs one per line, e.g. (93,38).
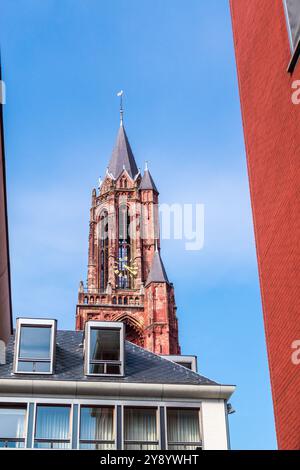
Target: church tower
(126,278)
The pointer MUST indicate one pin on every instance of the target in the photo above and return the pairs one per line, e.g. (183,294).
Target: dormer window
(189,362)
(34,349)
(104,348)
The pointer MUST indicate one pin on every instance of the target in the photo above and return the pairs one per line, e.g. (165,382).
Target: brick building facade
(126,278)
(5,289)
(266,39)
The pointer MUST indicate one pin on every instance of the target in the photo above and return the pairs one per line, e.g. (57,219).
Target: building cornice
(116,390)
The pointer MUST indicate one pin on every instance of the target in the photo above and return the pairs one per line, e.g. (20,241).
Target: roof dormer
(104,348)
(34,346)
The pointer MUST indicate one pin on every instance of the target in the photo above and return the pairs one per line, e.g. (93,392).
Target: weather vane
(120,94)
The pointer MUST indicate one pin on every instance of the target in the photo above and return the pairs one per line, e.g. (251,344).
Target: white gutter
(84,389)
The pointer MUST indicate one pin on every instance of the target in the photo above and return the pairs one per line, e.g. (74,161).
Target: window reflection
(35,349)
(52,428)
(97,428)
(105,351)
(12,426)
(293,17)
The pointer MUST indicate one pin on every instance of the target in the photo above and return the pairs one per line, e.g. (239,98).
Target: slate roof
(141,366)
(147,182)
(122,157)
(157,271)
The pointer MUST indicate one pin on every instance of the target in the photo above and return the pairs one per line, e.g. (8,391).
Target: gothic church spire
(122,156)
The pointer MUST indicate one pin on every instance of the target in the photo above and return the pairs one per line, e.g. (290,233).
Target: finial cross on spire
(120,94)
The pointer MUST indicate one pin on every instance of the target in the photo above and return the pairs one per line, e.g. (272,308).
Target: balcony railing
(12,443)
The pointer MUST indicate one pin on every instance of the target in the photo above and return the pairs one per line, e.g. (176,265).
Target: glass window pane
(97,369)
(105,344)
(28,366)
(140,424)
(188,365)
(141,446)
(35,342)
(52,445)
(97,424)
(113,369)
(12,445)
(293,13)
(183,426)
(184,447)
(95,446)
(52,422)
(12,422)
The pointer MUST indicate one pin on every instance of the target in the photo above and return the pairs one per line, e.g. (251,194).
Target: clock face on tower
(125,268)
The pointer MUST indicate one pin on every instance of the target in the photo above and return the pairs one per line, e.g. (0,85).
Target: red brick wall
(5,294)
(272,136)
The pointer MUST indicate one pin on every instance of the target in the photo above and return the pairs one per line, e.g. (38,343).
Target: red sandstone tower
(126,279)
(267,45)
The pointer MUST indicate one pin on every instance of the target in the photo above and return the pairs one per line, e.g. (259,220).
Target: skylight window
(35,346)
(105,348)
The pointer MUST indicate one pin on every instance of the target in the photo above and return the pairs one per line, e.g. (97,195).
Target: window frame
(183,359)
(295,48)
(180,407)
(89,325)
(75,404)
(95,441)
(158,426)
(52,441)
(15,405)
(35,323)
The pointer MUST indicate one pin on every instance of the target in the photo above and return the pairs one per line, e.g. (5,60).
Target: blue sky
(63,62)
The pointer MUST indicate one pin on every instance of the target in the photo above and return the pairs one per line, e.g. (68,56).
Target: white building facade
(93,390)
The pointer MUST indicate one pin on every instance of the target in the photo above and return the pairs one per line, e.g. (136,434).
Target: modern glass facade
(99,426)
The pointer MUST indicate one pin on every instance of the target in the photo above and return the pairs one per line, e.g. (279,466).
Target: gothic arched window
(124,251)
(103,255)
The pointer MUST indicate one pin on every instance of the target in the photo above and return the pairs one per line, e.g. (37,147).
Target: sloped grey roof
(157,271)
(147,182)
(141,366)
(122,157)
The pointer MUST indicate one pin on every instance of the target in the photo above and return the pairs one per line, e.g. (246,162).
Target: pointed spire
(157,271)
(147,180)
(122,157)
